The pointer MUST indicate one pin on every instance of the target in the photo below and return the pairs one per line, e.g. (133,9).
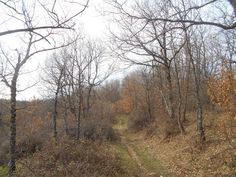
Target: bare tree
(33,34)
(10,71)
(156,31)
(51,12)
(184,7)
(96,57)
(82,74)
(150,43)
(55,71)
(149,93)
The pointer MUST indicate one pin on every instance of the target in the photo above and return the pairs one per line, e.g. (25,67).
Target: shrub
(98,130)
(164,127)
(4,149)
(3,171)
(71,158)
(137,120)
(169,129)
(4,145)
(28,145)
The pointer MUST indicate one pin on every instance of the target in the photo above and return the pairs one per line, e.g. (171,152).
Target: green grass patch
(152,164)
(3,171)
(121,123)
(127,163)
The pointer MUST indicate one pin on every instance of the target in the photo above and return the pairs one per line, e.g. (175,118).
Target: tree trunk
(79,114)
(168,78)
(170,94)
(65,121)
(55,116)
(200,127)
(65,112)
(186,92)
(149,104)
(199,120)
(179,120)
(12,162)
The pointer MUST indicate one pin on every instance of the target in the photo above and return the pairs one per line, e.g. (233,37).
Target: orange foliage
(29,118)
(132,94)
(222,91)
(127,102)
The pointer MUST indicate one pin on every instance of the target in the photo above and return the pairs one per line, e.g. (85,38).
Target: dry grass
(69,158)
(185,157)
(138,160)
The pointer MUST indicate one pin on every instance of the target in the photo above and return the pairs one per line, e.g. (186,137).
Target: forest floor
(147,154)
(135,157)
(184,156)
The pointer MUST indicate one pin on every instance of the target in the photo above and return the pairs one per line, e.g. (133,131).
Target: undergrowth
(3,171)
(152,164)
(129,166)
(69,158)
(185,157)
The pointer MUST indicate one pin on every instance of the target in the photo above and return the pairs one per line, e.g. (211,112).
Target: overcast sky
(91,22)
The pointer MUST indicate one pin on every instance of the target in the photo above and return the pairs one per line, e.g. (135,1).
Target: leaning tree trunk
(170,96)
(179,120)
(200,127)
(186,92)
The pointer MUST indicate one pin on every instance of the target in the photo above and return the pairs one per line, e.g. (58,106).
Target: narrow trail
(144,172)
(134,156)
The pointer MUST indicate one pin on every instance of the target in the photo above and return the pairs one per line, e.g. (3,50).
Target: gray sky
(91,23)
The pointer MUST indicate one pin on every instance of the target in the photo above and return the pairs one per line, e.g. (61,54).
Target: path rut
(144,172)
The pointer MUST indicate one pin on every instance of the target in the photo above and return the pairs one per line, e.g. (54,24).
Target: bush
(97,123)
(97,130)
(163,127)
(3,171)
(4,149)
(169,129)
(137,120)
(28,145)
(4,145)
(69,158)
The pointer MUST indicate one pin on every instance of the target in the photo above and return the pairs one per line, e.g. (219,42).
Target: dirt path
(127,142)
(134,156)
